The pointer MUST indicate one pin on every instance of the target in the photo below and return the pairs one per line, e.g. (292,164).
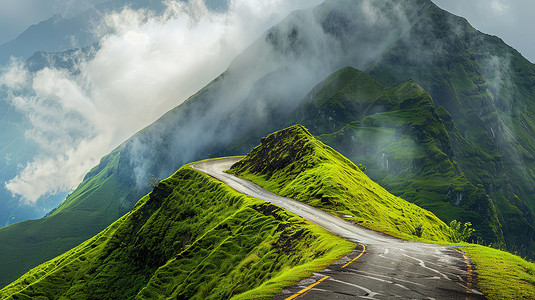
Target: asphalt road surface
(381,267)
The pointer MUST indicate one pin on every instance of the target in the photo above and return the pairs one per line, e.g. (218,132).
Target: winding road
(381,267)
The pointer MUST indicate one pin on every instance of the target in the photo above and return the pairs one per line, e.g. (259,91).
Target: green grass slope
(407,145)
(502,275)
(106,193)
(292,163)
(192,237)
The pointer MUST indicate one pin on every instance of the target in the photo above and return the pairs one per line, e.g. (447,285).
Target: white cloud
(499,7)
(48,175)
(14,76)
(148,66)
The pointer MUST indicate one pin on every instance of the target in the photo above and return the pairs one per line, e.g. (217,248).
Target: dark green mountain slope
(407,144)
(266,82)
(87,212)
(489,89)
(191,237)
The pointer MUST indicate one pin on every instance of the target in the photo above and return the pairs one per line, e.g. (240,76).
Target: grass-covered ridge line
(292,163)
(192,237)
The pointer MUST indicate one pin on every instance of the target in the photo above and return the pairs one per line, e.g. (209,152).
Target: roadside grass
(292,163)
(502,275)
(191,237)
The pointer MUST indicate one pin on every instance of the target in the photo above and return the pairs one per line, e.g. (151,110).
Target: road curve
(386,268)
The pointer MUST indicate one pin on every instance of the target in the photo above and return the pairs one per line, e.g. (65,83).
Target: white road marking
(422,264)
(390,277)
(370,295)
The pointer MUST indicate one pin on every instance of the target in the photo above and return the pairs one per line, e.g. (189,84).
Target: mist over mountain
(73,107)
(465,71)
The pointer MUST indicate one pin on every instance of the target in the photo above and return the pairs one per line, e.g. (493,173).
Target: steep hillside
(292,163)
(191,237)
(85,213)
(474,76)
(405,142)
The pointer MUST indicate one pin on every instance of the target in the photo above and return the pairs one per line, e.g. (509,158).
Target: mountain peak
(280,149)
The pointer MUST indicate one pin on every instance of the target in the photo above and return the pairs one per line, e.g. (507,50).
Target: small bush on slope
(192,237)
(292,163)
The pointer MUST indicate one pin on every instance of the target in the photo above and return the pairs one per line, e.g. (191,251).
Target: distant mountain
(17,150)
(61,33)
(473,157)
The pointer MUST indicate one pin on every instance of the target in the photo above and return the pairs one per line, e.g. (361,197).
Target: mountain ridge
(403,140)
(293,163)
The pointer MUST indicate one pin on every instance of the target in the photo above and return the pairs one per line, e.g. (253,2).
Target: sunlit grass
(321,177)
(193,237)
(502,275)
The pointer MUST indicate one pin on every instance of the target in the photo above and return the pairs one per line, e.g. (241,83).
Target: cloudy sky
(17,15)
(77,118)
(512,20)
